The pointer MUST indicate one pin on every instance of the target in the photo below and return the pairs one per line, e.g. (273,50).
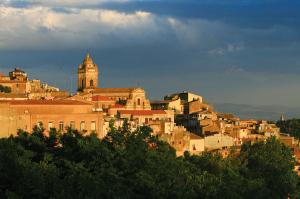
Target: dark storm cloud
(228,51)
(259,14)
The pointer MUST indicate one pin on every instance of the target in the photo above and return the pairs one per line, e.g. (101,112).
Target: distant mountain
(265,112)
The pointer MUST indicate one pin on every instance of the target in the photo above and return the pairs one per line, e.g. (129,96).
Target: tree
(272,164)
(135,164)
(291,127)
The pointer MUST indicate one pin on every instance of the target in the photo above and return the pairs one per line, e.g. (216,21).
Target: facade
(218,141)
(142,117)
(174,104)
(59,114)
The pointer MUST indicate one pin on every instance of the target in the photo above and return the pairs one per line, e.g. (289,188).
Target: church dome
(88,60)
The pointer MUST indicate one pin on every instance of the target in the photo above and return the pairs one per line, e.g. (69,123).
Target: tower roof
(88,59)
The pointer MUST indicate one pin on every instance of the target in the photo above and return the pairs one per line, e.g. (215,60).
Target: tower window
(139,101)
(91,83)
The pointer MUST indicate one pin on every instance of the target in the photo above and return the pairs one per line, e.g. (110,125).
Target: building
(218,141)
(174,104)
(129,98)
(59,114)
(144,117)
(182,140)
(186,98)
(21,85)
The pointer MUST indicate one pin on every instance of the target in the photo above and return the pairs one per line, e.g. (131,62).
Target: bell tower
(87,74)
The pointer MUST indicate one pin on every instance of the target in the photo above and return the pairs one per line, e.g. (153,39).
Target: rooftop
(142,112)
(101,98)
(113,90)
(45,102)
(12,95)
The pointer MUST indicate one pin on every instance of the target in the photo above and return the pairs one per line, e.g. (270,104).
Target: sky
(228,51)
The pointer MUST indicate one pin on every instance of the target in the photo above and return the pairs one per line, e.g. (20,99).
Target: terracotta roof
(226,115)
(46,102)
(2,74)
(118,106)
(142,112)
(113,90)
(101,98)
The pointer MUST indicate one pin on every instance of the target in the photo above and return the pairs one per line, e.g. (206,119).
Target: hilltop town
(185,120)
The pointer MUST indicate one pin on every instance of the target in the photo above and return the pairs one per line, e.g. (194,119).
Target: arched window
(139,101)
(91,83)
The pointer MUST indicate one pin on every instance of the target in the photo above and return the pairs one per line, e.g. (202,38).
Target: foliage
(5,89)
(128,164)
(291,127)
(121,101)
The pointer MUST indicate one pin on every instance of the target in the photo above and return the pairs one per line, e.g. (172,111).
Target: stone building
(87,74)
(20,84)
(174,104)
(130,98)
(59,114)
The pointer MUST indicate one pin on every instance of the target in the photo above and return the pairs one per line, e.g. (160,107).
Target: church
(88,89)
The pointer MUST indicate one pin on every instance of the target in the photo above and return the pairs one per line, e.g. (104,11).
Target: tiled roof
(113,90)
(142,112)
(101,98)
(2,74)
(47,102)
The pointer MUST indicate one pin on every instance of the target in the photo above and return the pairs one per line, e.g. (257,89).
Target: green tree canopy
(291,127)
(128,164)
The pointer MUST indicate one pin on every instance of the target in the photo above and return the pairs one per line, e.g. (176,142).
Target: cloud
(225,50)
(230,48)
(55,3)
(41,27)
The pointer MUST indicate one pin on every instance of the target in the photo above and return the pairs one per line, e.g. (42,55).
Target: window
(82,84)
(50,125)
(72,125)
(139,101)
(146,120)
(93,125)
(82,125)
(61,126)
(91,83)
